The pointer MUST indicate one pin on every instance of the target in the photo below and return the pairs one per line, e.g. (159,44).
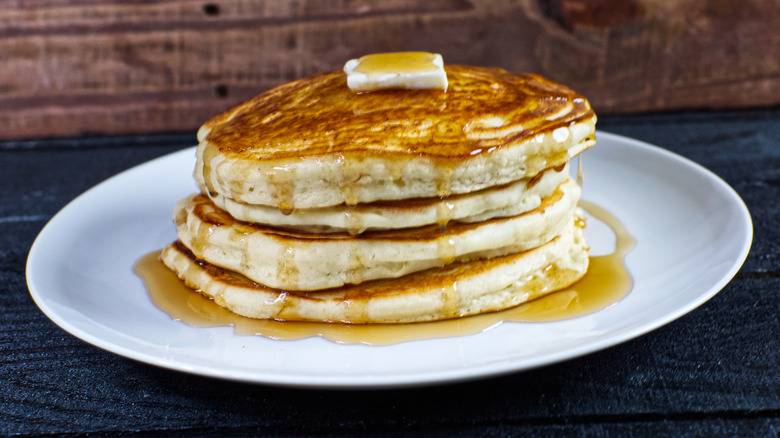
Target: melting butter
(396,70)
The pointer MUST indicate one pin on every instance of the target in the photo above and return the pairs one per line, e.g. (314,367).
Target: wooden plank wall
(69,67)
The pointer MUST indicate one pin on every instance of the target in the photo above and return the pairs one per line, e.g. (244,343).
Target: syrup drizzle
(606,282)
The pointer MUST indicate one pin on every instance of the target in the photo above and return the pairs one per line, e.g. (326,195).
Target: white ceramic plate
(79,272)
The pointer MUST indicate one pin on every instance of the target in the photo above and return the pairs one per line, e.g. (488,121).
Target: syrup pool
(606,282)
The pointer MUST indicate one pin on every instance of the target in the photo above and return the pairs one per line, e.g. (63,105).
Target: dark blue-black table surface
(713,372)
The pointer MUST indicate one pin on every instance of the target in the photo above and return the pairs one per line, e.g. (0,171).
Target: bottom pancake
(456,290)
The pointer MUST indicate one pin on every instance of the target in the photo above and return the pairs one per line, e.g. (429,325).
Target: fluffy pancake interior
(507,200)
(456,290)
(305,261)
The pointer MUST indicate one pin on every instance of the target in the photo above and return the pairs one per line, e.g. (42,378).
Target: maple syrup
(606,282)
(396,62)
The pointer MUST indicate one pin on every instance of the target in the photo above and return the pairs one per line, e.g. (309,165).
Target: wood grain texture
(69,67)
(713,372)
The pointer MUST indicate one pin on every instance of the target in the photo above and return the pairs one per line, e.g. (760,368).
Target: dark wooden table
(713,372)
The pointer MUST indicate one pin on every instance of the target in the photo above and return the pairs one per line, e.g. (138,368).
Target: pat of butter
(398,70)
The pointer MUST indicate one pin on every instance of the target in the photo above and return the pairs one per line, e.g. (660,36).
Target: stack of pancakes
(318,203)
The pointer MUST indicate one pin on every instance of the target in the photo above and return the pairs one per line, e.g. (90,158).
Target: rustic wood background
(71,67)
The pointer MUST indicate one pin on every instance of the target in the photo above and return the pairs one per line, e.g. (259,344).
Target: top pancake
(315,143)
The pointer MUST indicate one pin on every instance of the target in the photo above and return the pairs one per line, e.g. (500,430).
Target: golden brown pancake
(315,143)
(283,175)
(503,201)
(452,291)
(294,260)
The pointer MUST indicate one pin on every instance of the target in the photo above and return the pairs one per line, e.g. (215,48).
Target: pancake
(314,143)
(305,261)
(323,203)
(453,291)
(503,201)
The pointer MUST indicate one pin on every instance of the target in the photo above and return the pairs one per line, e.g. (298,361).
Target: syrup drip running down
(606,282)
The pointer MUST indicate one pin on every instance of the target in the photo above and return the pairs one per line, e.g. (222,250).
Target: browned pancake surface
(483,108)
